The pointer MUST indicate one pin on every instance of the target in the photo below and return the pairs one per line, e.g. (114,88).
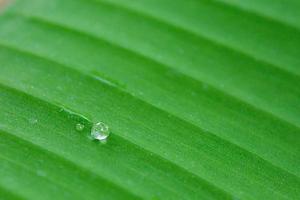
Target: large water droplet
(100,131)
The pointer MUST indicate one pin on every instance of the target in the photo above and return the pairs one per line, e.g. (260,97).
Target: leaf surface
(202,98)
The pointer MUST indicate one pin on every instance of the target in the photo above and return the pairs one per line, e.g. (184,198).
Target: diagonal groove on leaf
(273,11)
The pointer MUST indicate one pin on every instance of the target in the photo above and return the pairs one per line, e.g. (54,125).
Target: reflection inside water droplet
(100,131)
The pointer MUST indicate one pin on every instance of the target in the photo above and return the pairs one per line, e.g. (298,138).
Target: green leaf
(202,99)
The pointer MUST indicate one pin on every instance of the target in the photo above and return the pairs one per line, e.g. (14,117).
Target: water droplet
(33,121)
(100,131)
(79,127)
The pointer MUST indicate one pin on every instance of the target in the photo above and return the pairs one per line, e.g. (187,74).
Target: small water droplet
(100,131)
(79,127)
(33,121)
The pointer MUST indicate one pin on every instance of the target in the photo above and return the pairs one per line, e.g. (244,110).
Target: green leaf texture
(202,98)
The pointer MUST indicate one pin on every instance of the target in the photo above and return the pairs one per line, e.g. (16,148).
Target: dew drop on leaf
(33,121)
(79,127)
(100,131)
